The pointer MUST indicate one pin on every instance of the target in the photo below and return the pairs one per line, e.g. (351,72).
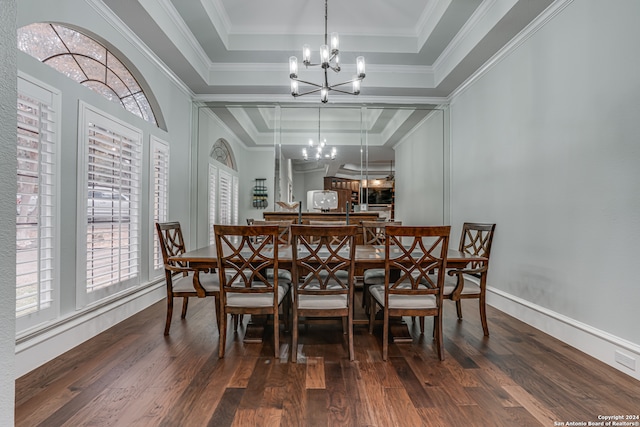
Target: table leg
(255,328)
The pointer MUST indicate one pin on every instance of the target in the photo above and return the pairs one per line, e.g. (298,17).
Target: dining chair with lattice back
(284,238)
(419,254)
(317,222)
(323,276)
(245,287)
(180,280)
(283,226)
(373,234)
(471,282)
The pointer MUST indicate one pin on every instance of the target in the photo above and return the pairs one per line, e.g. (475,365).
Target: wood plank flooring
(131,375)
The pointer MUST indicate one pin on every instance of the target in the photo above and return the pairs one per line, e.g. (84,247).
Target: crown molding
(429,19)
(117,24)
(218,16)
(276,75)
(185,32)
(287,99)
(168,19)
(534,26)
(284,68)
(223,125)
(478,25)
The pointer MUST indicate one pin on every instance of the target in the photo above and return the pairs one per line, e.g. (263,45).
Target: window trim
(83,298)
(235,196)
(154,142)
(212,196)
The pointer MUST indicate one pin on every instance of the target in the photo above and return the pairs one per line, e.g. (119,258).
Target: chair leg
(169,315)
(235,322)
(365,297)
(286,312)
(350,335)
(459,308)
(483,315)
(294,336)
(438,321)
(385,335)
(222,334)
(185,304)
(372,313)
(217,303)
(276,333)
(421,325)
(345,326)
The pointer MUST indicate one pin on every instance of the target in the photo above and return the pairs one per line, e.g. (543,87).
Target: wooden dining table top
(367,256)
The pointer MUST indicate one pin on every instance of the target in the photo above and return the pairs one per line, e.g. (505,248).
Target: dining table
(205,259)
(367,256)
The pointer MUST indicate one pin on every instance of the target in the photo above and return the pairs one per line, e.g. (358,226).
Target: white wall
(420,173)
(299,189)
(545,144)
(8,119)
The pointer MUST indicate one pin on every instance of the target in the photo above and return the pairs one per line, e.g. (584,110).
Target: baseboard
(54,341)
(594,342)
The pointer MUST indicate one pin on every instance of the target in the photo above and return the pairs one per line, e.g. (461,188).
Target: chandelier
(329,58)
(317,151)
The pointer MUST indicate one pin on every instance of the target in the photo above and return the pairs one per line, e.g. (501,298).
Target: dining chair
(323,276)
(420,256)
(471,281)
(284,238)
(245,288)
(373,233)
(179,277)
(317,222)
(283,226)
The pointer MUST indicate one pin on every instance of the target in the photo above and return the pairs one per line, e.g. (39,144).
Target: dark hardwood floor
(131,375)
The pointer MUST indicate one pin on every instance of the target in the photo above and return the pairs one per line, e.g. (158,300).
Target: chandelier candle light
(329,58)
(319,155)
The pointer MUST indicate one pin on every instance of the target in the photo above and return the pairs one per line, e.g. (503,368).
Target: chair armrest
(196,277)
(460,272)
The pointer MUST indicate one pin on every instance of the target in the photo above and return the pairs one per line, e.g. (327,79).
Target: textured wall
(546,145)
(7,207)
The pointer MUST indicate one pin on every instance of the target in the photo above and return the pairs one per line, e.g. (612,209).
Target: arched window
(223,153)
(223,186)
(88,62)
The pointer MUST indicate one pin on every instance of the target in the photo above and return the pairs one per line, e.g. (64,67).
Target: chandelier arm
(344,83)
(307,93)
(340,90)
(308,83)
